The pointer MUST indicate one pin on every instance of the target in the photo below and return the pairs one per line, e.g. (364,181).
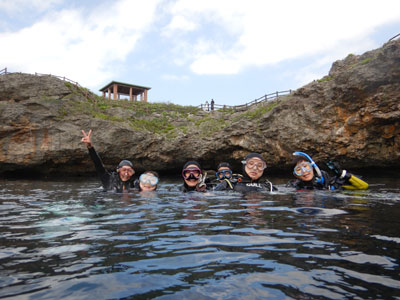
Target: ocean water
(66,239)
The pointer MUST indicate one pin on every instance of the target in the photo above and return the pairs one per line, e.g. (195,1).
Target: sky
(191,51)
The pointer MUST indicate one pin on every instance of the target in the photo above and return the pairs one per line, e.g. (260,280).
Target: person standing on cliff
(121,180)
(212,104)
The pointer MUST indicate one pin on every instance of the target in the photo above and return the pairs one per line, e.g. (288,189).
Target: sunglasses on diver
(224,174)
(148,179)
(192,173)
(302,168)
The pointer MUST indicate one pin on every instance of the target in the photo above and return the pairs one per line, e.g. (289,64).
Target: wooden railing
(59,77)
(267,97)
(83,90)
(204,107)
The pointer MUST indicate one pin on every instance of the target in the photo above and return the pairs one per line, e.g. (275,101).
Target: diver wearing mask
(193,178)
(253,169)
(225,179)
(310,176)
(147,181)
(121,180)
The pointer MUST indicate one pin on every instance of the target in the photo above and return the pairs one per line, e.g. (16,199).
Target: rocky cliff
(351,115)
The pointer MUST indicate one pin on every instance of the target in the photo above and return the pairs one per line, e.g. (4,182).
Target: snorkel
(320,178)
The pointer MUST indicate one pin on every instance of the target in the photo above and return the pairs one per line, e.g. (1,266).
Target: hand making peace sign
(86,138)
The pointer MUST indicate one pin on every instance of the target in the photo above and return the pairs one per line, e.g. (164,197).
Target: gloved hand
(201,186)
(335,167)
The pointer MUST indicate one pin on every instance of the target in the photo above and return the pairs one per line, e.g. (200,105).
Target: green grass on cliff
(166,119)
(258,112)
(146,108)
(209,124)
(158,118)
(156,125)
(106,117)
(139,107)
(366,60)
(325,78)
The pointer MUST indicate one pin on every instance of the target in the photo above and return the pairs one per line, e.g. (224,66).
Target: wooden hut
(119,88)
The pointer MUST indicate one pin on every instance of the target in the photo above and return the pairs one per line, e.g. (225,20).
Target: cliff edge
(352,115)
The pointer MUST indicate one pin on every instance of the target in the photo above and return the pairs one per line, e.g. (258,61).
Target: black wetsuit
(111,180)
(227,184)
(259,185)
(185,188)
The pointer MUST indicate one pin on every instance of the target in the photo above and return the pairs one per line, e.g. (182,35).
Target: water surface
(69,240)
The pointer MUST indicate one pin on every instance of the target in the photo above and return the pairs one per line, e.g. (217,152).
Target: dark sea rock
(351,115)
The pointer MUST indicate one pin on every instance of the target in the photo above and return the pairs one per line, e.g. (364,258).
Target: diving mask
(252,163)
(191,173)
(224,174)
(301,168)
(148,179)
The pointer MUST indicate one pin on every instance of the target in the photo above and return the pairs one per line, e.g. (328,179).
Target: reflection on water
(70,240)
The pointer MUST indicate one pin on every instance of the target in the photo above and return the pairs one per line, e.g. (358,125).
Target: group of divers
(308,175)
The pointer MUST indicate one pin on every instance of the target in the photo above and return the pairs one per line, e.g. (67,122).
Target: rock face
(351,115)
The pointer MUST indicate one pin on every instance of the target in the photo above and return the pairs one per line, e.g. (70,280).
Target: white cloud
(216,63)
(267,32)
(179,23)
(320,66)
(90,44)
(18,6)
(84,48)
(173,77)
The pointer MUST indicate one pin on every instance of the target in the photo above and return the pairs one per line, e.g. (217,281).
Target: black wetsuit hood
(246,177)
(192,162)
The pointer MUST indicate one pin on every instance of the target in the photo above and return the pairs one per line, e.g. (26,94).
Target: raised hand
(201,186)
(86,138)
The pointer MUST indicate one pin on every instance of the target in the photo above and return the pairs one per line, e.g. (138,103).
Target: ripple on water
(65,241)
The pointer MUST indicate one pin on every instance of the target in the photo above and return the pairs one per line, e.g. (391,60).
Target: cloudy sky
(190,51)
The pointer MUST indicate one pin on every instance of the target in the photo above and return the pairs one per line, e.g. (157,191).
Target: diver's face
(147,187)
(125,173)
(304,171)
(192,181)
(222,174)
(254,168)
